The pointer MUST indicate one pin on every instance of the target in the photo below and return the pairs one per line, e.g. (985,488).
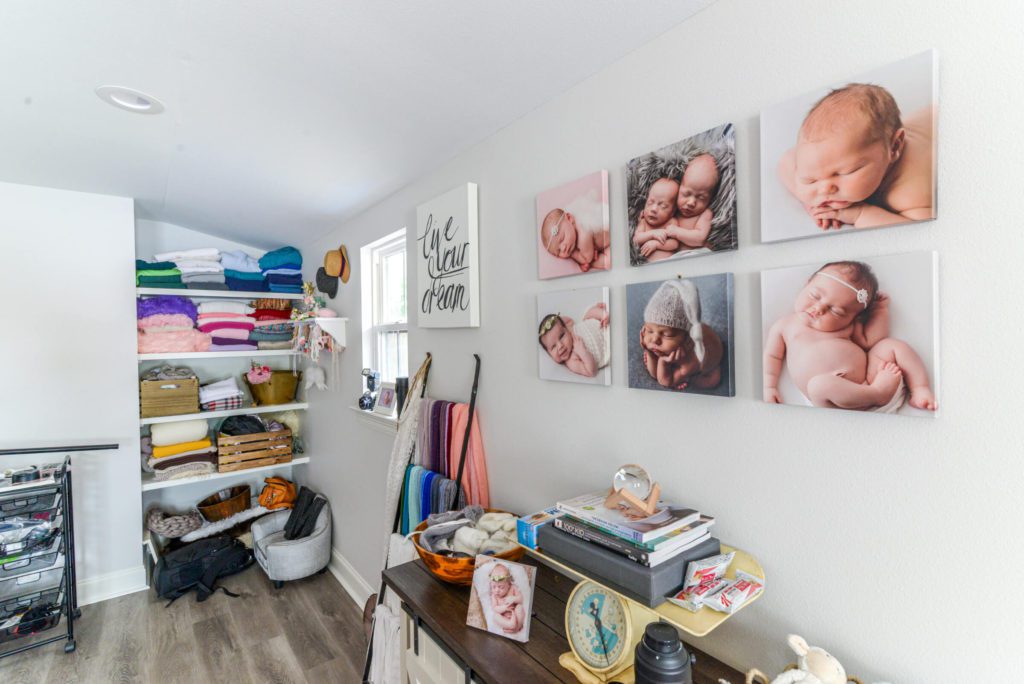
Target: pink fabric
(225,325)
(474,474)
(165,321)
(223,316)
(183,341)
(230,333)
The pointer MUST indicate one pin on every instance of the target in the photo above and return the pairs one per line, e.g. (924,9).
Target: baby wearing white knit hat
(679,349)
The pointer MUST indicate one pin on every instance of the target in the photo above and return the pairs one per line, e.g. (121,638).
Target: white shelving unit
(202,294)
(216,355)
(149,484)
(245,410)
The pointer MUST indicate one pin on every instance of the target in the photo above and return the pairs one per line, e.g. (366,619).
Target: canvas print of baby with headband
(856,334)
(574,344)
(572,230)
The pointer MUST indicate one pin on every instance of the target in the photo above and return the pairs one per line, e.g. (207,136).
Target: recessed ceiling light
(130,99)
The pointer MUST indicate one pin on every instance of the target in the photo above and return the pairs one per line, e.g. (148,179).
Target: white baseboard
(111,585)
(350,580)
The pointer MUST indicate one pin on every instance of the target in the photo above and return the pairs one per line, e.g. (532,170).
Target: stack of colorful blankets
(157,274)
(174,450)
(274,327)
(200,268)
(228,322)
(220,396)
(167,324)
(283,270)
(242,272)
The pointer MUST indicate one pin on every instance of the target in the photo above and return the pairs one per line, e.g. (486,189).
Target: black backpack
(198,565)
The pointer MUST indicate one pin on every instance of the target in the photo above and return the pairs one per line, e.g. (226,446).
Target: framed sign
(447,261)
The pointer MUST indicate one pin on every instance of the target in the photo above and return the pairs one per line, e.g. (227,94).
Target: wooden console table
(438,645)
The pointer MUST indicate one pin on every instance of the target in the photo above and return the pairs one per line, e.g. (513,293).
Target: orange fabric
(474,475)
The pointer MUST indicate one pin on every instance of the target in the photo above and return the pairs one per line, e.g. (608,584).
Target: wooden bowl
(457,570)
(225,503)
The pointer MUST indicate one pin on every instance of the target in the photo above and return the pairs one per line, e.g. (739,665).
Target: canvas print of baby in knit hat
(680,335)
(573,336)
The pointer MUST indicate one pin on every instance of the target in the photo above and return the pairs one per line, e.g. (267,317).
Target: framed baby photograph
(859,153)
(501,597)
(856,334)
(387,400)
(572,336)
(572,228)
(681,335)
(681,199)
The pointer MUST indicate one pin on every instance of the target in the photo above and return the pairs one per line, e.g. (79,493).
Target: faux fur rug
(670,162)
(226,524)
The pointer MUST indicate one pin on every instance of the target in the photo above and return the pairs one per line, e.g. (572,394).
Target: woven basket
(457,570)
(225,503)
(280,389)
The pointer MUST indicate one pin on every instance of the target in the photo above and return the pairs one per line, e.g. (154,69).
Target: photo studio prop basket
(280,389)
(168,397)
(457,570)
(241,452)
(225,503)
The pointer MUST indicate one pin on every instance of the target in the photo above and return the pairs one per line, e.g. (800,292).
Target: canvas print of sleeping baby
(501,597)
(682,198)
(859,154)
(572,228)
(853,334)
(574,344)
(680,335)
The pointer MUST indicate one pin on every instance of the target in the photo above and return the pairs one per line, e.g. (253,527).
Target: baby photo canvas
(853,334)
(572,229)
(681,199)
(501,597)
(857,154)
(573,340)
(680,335)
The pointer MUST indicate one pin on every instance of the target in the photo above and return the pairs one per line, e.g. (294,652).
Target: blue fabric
(425,507)
(280,257)
(284,279)
(287,269)
(239,261)
(245,285)
(289,289)
(242,275)
(405,500)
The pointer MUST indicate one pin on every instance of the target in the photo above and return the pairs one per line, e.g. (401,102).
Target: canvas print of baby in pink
(573,234)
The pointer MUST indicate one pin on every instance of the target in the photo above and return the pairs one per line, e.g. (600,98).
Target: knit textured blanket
(169,304)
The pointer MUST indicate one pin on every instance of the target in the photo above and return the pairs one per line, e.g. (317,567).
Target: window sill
(388,424)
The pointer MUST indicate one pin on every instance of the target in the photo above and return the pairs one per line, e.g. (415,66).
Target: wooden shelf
(696,624)
(228,294)
(215,355)
(149,484)
(294,406)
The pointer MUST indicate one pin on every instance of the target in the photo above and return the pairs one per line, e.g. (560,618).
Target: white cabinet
(423,659)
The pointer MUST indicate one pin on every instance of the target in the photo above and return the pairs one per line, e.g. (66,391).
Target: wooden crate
(168,397)
(252,451)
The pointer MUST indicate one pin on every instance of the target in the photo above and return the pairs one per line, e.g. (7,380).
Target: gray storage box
(648,586)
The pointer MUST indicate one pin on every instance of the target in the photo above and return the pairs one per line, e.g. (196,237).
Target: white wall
(70,373)
(157,237)
(891,541)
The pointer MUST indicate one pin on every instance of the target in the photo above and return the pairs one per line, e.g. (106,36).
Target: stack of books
(642,557)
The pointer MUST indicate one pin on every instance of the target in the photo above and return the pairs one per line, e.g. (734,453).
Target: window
(385,324)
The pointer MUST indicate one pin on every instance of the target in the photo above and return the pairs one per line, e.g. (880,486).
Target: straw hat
(336,263)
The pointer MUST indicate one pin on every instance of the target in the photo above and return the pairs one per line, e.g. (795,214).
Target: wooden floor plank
(273,662)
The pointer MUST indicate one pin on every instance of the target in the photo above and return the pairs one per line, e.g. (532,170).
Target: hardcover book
(694,534)
(626,523)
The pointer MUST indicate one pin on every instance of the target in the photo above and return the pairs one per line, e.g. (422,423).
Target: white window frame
(371,256)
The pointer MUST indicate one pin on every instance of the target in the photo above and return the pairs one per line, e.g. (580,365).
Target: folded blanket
(205,286)
(232,334)
(284,279)
(272,305)
(287,269)
(220,341)
(186,470)
(280,257)
(265,345)
(242,275)
(141,265)
(156,278)
(239,261)
(273,314)
(169,434)
(167,304)
(217,390)
(285,289)
(163,285)
(156,321)
(204,264)
(210,253)
(157,272)
(224,325)
(175,449)
(227,318)
(180,341)
(245,285)
(228,404)
(273,326)
(203,277)
(222,306)
(238,346)
(257,336)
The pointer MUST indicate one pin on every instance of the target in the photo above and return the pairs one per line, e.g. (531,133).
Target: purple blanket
(149,306)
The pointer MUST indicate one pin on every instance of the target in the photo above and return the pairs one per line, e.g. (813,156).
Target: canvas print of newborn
(853,334)
(680,334)
(572,228)
(682,198)
(857,154)
(573,339)
(501,597)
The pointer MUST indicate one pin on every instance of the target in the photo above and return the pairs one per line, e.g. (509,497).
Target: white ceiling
(284,117)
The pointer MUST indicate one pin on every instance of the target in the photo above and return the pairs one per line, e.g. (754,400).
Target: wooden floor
(308,631)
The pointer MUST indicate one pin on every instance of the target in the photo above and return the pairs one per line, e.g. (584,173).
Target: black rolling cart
(37,556)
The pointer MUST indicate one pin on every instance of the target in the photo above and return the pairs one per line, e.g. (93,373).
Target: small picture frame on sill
(387,400)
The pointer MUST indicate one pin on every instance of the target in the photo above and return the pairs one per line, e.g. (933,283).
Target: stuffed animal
(814,666)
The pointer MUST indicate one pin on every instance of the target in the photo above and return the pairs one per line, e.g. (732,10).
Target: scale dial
(598,626)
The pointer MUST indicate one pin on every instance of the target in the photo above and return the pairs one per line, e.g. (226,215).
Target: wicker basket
(242,452)
(225,503)
(457,570)
(280,389)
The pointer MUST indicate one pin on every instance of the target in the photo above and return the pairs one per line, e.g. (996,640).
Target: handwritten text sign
(447,264)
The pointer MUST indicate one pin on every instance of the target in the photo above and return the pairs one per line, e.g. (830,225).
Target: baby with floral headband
(680,350)
(582,347)
(506,600)
(579,231)
(837,349)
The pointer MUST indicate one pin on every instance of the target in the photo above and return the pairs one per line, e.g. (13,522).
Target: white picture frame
(447,260)
(387,400)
